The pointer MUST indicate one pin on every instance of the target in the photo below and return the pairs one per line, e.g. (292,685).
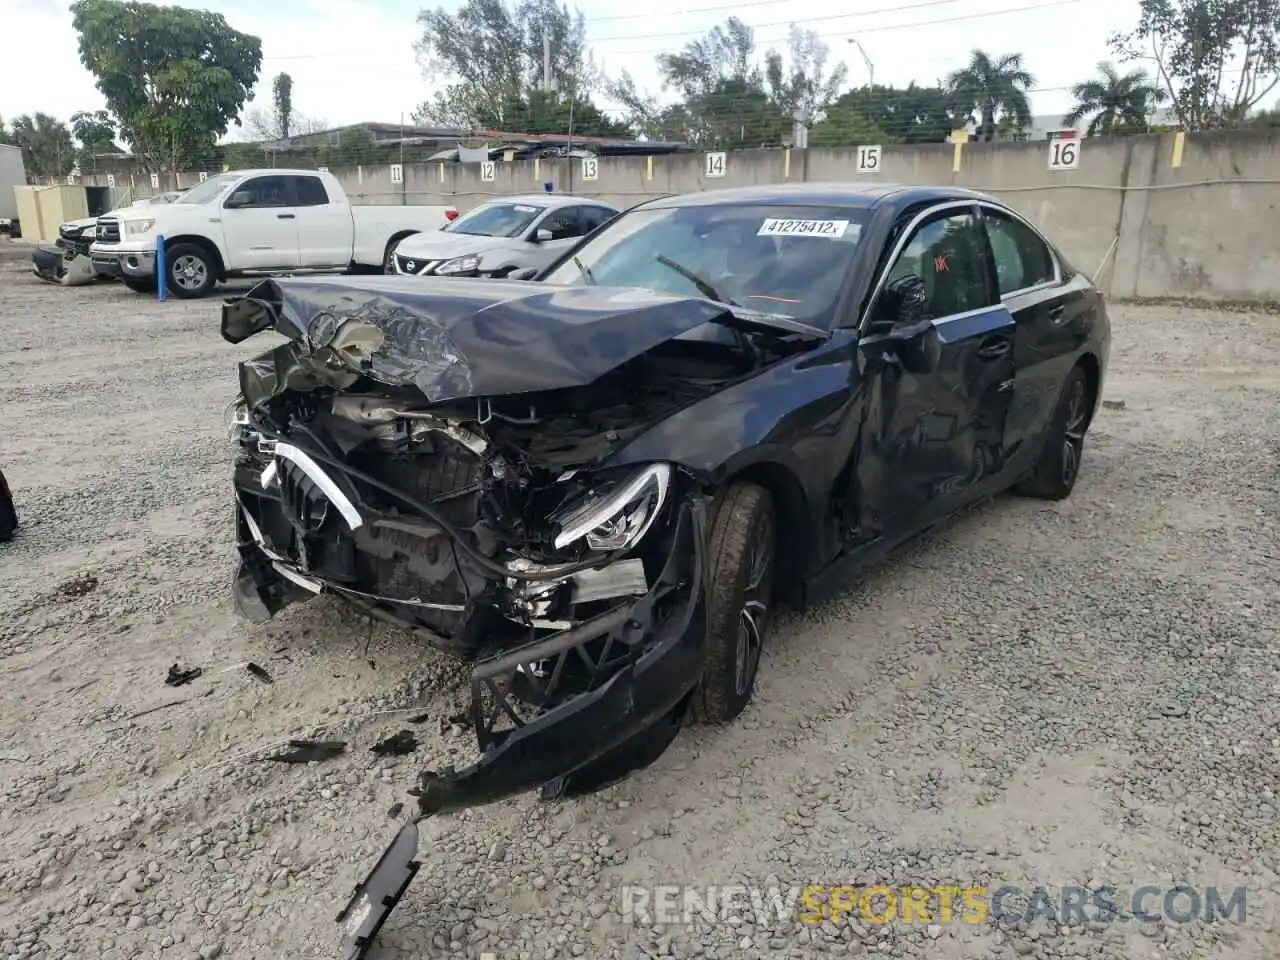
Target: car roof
(849,196)
(551,200)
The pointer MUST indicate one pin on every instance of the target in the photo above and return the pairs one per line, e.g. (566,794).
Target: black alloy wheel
(1055,473)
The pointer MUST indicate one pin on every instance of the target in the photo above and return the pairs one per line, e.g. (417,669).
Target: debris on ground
(259,672)
(1113,404)
(395,811)
(77,587)
(396,745)
(310,751)
(179,678)
(420,718)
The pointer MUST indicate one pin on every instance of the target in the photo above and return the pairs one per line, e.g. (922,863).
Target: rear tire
(1054,475)
(741,550)
(191,271)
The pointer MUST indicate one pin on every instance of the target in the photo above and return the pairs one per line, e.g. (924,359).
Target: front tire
(191,271)
(1055,473)
(741,551)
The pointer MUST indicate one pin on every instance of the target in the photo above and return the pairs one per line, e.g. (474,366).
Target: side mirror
(903,307)
(541,235)
(241,198)
(524,273)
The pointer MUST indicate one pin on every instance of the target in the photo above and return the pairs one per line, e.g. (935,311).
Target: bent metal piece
(382,889)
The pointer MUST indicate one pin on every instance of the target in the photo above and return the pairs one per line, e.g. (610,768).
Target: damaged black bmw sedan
(598,485)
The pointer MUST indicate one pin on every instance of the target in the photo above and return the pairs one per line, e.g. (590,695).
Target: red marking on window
(940,264)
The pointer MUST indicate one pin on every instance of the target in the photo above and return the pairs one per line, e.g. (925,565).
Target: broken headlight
(235,418)
(467,264)
(616,516)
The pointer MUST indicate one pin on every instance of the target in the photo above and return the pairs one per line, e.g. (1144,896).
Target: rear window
(776,259)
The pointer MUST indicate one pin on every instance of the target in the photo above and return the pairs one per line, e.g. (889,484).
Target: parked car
(601,485)
(501,236)
(254,222)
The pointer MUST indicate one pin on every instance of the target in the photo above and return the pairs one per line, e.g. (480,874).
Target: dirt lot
(1083,693)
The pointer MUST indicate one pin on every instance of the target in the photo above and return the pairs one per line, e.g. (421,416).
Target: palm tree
(47,150)
(1114,100)
(995,85)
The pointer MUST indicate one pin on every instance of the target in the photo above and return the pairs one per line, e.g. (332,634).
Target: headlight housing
(235,418)
(617,515)
(136,228)
(467,264)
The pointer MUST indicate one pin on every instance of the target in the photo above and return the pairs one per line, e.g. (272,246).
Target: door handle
(1055,312)
(284,216)
(994,349)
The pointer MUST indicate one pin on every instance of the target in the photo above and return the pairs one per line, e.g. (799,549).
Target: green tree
(47,149)
(282,101)
(994,87)
(540,112)
(800,83)
(879,114)
(1216,60)
(723,90)
(492,57)
(96,133)
(175,79)
(5,136)
(1114,102)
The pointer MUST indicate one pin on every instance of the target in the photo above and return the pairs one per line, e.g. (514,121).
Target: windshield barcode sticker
(830,229)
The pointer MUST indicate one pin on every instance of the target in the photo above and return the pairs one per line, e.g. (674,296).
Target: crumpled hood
(438,245)
(453,338)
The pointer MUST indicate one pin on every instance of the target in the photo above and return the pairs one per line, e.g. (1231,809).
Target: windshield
(496,220)
(789,260)
(211,189)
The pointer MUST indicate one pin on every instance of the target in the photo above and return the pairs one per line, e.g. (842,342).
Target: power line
(758,3)
(861,31)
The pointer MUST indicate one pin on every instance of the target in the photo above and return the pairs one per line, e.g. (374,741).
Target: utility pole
(404,197)
(871,67)
(548,84)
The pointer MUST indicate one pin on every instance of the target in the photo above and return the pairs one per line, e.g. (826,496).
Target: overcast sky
(353,60)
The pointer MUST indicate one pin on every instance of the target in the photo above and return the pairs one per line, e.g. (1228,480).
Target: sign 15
(869,159)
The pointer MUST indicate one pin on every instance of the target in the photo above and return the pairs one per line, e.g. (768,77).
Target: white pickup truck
(254,221)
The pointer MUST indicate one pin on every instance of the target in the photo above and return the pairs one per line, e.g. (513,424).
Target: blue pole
(161,271)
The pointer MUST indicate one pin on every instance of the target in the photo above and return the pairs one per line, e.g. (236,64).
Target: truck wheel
(8,514)
(741,549)
(191,271)
(140,286)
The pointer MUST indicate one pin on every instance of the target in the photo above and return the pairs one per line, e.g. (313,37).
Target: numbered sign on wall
(487,171)
(155,181)
(204,175)
(590,168)
(71,178)
(869,159)
(715,165)
(111,180)
(1064,154)
(322,169)
(397,173)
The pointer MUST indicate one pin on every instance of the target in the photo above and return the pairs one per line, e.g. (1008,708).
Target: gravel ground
(1081,693)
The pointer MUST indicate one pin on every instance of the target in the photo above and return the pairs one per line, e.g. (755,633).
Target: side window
(311,192)
(1022,259)
(592,217)
(266,192)
(947,253)
(563,223)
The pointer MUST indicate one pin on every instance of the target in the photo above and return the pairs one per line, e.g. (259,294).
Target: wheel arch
(792,513)
(220,268)
(396,238)
(1088,362)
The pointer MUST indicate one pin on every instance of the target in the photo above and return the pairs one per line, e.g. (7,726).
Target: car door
(933,434)
(1050,316)
(261,234)
(325,227)
(565,225)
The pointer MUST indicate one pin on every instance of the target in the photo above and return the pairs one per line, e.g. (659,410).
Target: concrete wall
(1159,214)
